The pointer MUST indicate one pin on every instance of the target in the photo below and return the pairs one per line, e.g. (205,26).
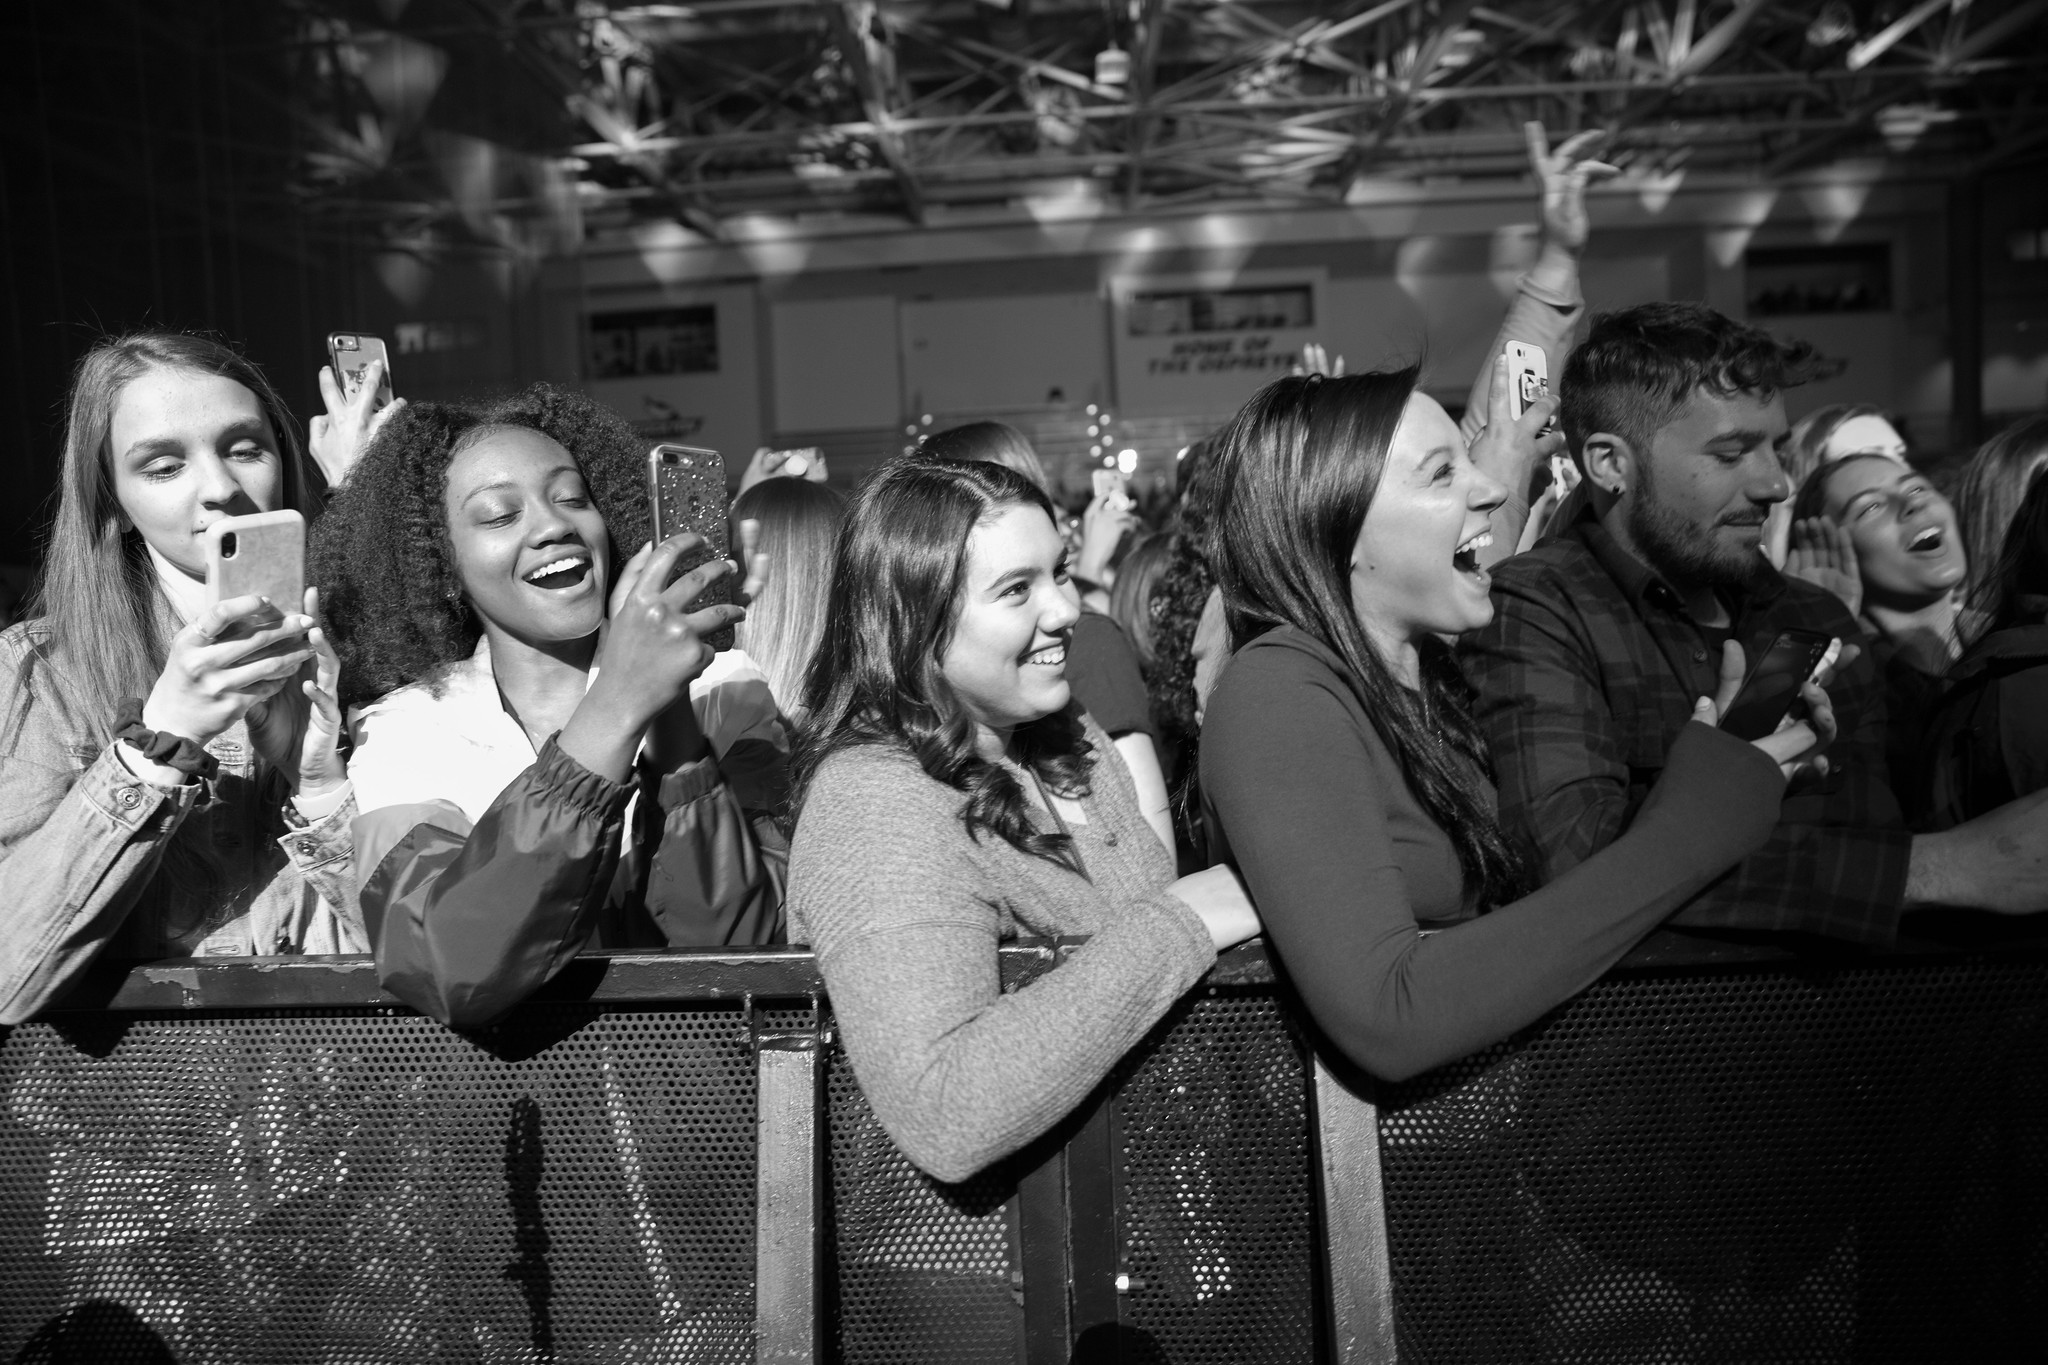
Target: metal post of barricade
(788,1315)
(1361,1284)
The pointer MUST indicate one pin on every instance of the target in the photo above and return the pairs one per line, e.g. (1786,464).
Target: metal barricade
(1716,1153)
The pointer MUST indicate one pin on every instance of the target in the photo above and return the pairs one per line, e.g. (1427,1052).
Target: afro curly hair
(382,555)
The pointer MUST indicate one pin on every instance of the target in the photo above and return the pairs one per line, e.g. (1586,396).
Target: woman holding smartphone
(1347,779)
(950,795)
(515,686)
(169,784)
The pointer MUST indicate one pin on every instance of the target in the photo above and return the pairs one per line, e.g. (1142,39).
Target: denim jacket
(82,839)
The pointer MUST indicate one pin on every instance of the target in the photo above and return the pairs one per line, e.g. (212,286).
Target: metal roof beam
(850,21)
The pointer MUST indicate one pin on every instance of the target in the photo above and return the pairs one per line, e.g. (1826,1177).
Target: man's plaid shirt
(1585,675)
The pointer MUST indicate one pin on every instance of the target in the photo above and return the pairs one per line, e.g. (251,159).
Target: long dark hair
(2020,572)
(897,572)
(1302,461)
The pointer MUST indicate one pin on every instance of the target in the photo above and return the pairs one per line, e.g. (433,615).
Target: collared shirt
(1587,672)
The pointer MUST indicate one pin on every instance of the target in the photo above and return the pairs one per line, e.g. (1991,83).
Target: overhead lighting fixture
(1836,23)
(1112,66)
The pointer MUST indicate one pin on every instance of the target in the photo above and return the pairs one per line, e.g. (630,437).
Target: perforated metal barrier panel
(926,1274)
(1754,1164)
(329,1186)
(1785,1166)
(1215,1197)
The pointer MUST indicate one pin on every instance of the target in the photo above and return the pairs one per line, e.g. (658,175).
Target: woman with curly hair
(501,729)
(950,795)
(168,778)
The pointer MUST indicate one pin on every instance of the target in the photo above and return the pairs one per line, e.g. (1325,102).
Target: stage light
(1127,461)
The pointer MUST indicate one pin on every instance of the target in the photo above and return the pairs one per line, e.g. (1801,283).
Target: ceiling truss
(528,124)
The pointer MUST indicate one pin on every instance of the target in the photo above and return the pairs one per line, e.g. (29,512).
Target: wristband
(173,751)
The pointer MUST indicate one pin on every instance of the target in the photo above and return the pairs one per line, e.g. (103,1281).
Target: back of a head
(1805,446)
(1996,481)
(1638,366)
(2019,570)
(798,524)
(990,443)
(1130,600)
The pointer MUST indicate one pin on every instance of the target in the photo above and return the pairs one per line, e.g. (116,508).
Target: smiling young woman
(1345,777)
(500,733)
(950,795)
(154,750)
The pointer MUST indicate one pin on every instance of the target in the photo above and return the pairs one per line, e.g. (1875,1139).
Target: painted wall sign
(1203,344)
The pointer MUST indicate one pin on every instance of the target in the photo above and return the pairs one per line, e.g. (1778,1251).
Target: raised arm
(1546,308)
(887,887)
(1302,791)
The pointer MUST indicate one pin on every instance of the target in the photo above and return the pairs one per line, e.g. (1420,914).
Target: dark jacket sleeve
(1288,767)
(468,923)
(718,862)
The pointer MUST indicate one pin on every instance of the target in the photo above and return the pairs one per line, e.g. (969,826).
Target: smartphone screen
(1773,685)
(352,353)
(686,488)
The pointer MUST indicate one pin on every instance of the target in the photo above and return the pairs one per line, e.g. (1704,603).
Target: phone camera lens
(227,545)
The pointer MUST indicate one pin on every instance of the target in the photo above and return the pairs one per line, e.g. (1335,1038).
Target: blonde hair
(799,522)
(1994,484)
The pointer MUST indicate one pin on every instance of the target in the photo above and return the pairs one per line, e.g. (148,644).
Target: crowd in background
(1434,705)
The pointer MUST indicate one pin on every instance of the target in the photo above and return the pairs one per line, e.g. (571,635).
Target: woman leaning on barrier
(169,784)
(948,796)
(515,680)
(1343,770)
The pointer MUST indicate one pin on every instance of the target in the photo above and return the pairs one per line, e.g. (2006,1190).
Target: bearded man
(1605,635)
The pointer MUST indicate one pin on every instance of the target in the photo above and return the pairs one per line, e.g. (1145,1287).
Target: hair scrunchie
(173,751)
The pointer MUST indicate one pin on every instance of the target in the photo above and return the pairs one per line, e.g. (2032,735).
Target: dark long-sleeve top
(1987,740)
(486,867)
(1588,672)
(905,910)
(1347,869)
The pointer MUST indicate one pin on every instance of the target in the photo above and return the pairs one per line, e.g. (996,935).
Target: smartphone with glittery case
(686,488)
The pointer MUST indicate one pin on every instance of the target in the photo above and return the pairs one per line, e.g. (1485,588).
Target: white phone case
(1528,376)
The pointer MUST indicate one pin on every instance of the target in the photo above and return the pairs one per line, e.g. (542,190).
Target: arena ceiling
(529,125)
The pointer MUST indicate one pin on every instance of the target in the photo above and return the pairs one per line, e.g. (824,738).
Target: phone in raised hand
(1773,684)
(351,354)
(1112,488)
(686,487)
(1528,376)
